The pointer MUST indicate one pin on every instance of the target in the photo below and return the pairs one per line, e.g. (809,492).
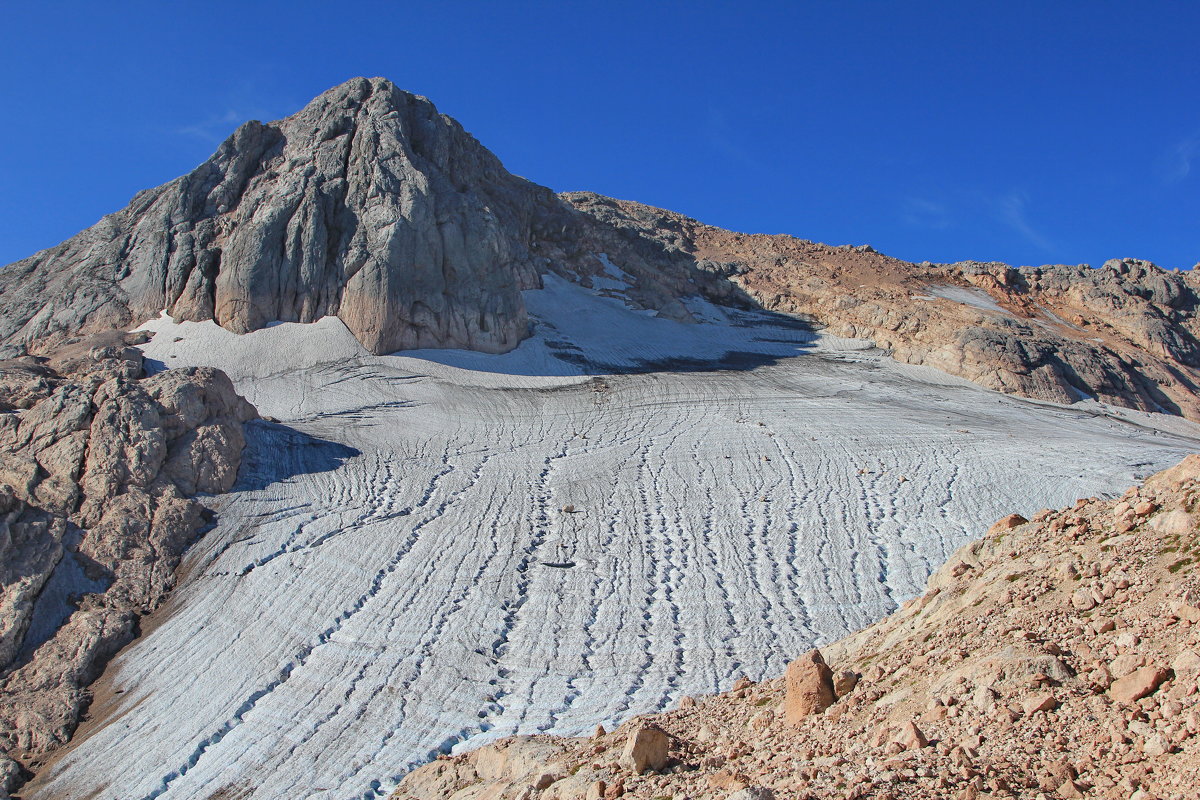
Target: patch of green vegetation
(1180,564)
(1016,576)
(763,702)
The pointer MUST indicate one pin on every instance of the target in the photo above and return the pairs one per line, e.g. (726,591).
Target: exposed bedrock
(367,204)
(98,467)
(1125,333)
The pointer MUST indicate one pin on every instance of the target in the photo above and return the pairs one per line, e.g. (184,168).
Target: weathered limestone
(646,749)
(844,682)
(367,204)
(97,468)
(370,205)
(1137,684)
(1126,333)
(910,737)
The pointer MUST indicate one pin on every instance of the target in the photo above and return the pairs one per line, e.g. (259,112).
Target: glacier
(433,549)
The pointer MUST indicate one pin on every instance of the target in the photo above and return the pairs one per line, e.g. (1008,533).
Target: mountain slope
(1125,334)
(367,205)
(629,462)
(99,471)
(464,546)
(370,206)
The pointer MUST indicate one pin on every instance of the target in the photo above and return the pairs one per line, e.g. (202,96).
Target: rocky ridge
(1055,657)
(370,205)
(98,469)
(1127,333)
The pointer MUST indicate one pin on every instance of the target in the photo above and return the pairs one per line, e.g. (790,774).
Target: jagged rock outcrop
(645,750)
(994,683)
(1127,333)
(30,547)
(368,204)
(98,466)
(371,206)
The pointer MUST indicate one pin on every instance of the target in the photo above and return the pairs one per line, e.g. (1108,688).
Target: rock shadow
(275,453)
(576,332)
(75,576)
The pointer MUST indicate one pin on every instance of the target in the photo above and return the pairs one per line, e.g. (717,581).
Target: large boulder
(645,749)
(809,684)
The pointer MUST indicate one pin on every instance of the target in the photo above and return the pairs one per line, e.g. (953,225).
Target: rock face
(371,206)
(1137,684)
(368,204)
(645,750)
(97,469)
(910,737)
(989,685)
(1126,333)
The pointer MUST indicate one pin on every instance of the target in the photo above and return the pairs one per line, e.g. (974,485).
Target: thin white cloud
(242,102)
(216,128)
(1011,209)
(922,213)
(1176,162)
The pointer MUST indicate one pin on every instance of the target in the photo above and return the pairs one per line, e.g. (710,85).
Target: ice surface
(971,297)
(614,278)
(377,589)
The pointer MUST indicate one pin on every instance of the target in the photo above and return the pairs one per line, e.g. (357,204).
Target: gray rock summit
(367,204)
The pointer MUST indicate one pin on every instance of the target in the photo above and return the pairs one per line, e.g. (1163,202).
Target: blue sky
(1024,132)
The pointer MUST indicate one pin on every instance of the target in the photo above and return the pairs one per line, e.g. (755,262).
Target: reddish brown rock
(844,682)
(1145,507)
(1039,702)
(809,687)
(1124,333)
(910,737)
(118,455)
(1006,524)
(996,665)
(1137,684)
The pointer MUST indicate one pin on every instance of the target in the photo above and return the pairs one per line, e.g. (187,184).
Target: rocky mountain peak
(367,204)
(370,205)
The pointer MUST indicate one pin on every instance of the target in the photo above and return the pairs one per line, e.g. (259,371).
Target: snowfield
(396,574)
